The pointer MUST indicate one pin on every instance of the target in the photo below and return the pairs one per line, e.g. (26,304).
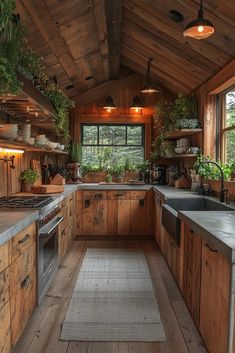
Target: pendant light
(137,105)
(109,104)
(200,28)
(148,85)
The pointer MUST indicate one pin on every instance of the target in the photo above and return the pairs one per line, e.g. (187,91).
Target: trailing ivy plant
(7,8)
(62,104)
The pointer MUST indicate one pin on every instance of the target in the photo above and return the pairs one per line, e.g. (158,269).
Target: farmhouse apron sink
(170,209)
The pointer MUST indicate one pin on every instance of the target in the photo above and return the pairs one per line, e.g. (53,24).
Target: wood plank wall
(123,98)
(224,79)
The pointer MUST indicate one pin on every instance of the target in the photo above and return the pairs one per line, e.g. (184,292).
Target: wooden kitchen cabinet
(124,212)
(22,289)
(5,324)
(138,213)
(215,294)
(94,217)
(191,244)
(171,252)
(158,220)
(5,316)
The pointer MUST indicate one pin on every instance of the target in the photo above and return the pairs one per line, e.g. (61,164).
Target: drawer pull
(99,196)
(25,282)
(212,250)
(141,202)
(87,203)
(21,241)
(191,231)
(120,194)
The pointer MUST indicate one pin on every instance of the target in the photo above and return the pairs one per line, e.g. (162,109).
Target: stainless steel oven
(47,250)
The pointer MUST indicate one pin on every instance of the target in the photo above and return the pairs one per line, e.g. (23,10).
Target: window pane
(230,146)
(90,134)
(112,135)
(134,135)
(119,154)
(230,109)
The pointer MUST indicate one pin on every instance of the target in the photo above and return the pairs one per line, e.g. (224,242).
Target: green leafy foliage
(29,176)
(210,171)
(76,152)
(6,24)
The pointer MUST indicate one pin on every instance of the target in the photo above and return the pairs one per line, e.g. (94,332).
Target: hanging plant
(31,66)
(62,104)
(7,8)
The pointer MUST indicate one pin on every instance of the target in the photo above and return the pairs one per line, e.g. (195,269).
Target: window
(122,142)
(228,126)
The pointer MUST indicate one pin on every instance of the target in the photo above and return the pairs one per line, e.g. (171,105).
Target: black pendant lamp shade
(137,105)
(109,104)
(200,28)
(148,85)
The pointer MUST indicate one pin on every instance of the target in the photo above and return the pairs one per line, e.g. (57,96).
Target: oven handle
(46,231)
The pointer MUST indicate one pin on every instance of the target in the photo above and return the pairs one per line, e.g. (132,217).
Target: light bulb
(109,110)
(200,29)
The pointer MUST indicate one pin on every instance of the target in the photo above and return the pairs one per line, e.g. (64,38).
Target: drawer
(138,195)
(22,241)
(20,270)
(4,256)
(4,287)
(94,195)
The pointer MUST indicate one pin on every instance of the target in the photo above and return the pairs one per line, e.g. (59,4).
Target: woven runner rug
(113,299)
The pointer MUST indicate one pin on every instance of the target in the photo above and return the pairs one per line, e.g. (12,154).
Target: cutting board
(36,166)
(47,189)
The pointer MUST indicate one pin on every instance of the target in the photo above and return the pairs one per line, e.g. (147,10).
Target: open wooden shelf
(182,133)
(27,148)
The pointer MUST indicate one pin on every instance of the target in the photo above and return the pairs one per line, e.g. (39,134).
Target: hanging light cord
(200,12)
(148,71)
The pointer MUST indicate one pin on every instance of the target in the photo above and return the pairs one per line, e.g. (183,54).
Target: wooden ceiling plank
(224,35)
(113,10)
(173,71)
(99,14)
(49,31)
(224,10)
(149,14)
(158,76)
(104,89)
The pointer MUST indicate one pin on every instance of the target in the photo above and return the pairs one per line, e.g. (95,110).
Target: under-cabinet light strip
(10,150)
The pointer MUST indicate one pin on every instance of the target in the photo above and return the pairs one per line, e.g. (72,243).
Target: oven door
(47,255)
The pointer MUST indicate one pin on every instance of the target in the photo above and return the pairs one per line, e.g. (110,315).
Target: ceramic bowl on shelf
(179,150)
(51,145)
(193,150)
(31,141)
(62,147)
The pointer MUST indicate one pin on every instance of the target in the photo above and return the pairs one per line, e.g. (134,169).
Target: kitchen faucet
(222,189)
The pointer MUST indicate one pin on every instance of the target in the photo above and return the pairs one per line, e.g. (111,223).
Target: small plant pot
(26,187)
(109,178)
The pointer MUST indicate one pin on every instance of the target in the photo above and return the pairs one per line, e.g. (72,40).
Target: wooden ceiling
(86,43)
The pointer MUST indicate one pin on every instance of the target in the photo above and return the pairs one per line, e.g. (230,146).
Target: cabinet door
(158,220)
(192,244)
(22,291)
(138,213)
(94,213)
(215,294)
(79,212)
(5,319)
(4,288)
(124,212)
(112,213)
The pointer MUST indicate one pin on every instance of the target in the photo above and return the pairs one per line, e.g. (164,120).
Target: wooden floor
(43,330)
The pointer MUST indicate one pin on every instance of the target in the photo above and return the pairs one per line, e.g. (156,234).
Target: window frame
(222,128)
(126,125)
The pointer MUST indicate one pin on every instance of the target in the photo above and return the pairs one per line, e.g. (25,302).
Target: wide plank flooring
(43,330)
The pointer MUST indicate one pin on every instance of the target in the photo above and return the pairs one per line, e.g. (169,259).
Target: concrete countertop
(12,222)
(170,191)
(114,186)
(216,227)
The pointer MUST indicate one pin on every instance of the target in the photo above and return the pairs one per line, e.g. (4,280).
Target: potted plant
(28,177)
(76,159)
(185,112)
(130,170)
(143,169)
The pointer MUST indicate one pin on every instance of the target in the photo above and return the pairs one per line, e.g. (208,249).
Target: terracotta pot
(94,177)
(26,187)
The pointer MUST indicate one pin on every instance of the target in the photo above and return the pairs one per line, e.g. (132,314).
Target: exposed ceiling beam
(99,14)
(40,15)
(104,89)
(113,10)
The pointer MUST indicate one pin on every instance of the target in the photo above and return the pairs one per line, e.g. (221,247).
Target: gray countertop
(12,222)
(216,227)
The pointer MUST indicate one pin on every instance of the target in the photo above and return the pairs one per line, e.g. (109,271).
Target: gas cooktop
(24,201)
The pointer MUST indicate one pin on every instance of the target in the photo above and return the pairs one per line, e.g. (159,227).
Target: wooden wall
(9,178)
(123,98)
(207,105)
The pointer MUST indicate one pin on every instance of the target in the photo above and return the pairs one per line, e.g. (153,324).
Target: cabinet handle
(25,282)
(120,194)
(87,203)
(21,241)
(208,247)
(141,202)
(98,196)
(191,231)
